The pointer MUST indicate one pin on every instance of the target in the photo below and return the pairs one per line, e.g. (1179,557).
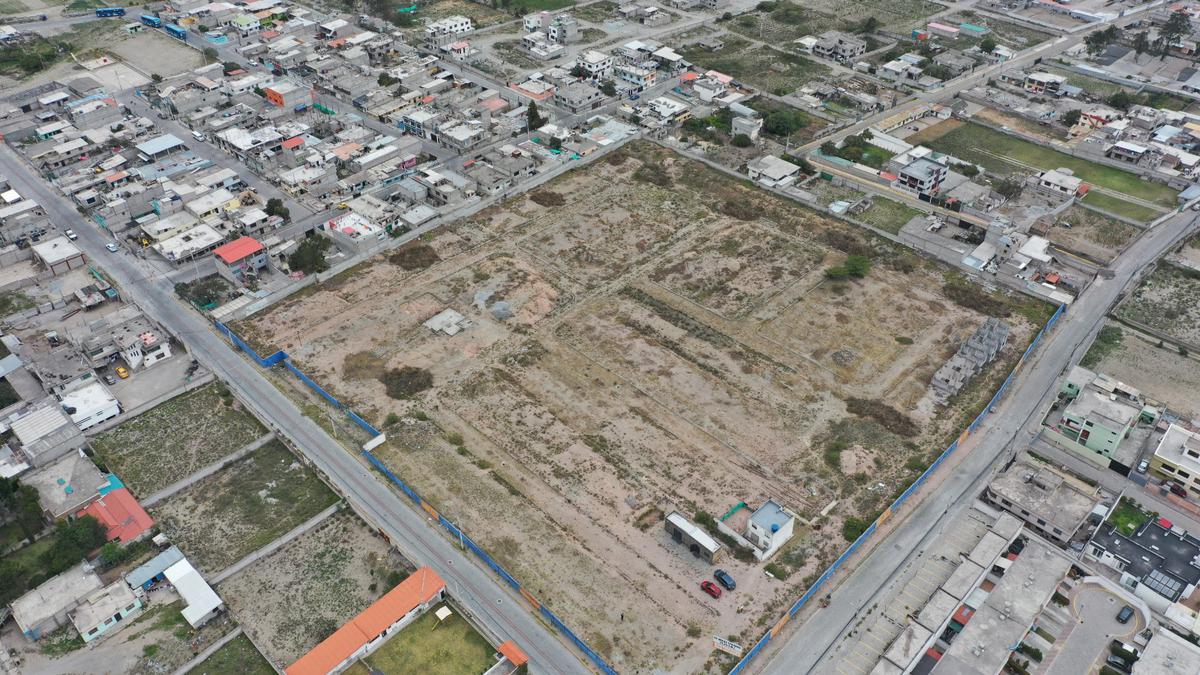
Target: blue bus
(110,11)
(152,21)
(175,31)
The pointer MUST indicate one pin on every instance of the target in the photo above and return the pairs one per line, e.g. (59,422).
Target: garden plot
(1161,373)
(176,438)
(237,657)
(1168,301)
(1013,35)
(782,22)
(1090,233)
(561,436)
(242,507)
(299,595)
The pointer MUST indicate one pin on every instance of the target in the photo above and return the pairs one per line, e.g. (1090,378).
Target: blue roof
(1190,193)
(161,144)
(154,567)
(770,513)
(113,483)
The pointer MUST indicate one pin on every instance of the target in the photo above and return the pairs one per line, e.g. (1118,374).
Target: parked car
(1125,614)
(1177,489)
(122,372)
(112,248)
(71,235)
(710,588)
(726,580)
(1117,662)
(109,379)
(1143,465)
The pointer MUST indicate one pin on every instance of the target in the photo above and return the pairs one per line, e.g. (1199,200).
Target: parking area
(147,384)
(1094,610)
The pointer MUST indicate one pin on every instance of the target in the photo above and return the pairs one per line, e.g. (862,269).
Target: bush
(402,383)
(853,528)
(1032,652)
(742,141)
(415,257)
(776,570)
(888,417)
(547,198)
(309,256)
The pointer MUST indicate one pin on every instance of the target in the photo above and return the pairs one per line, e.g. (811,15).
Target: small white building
(90,405)
(772,171)
(770,527)
(202,601)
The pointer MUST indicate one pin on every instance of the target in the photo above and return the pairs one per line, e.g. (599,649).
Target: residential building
(287,95)
(923,176)
(597,64)
(1177,458)
(59,255)
(578,97)
(1097,421)
(1168,654)
(770,527)
(129,334)
(634,78)
(240,258)
(67,485)
(355,231)
(1126,151)
(684,532)
(1041,82)
(159,147)
(444,31)
(1059,182)
(839,46)
(153,570)
(772,171)
(372,627)
(1051,503)
(48,606)
(104,609)
(1158,562)
(90,405)
(45,433)
(121,514)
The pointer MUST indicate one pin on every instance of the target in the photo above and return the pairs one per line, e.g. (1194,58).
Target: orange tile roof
(416,590)
(293,142)
(121,515)
(513,653)
(688,77)
(237,249)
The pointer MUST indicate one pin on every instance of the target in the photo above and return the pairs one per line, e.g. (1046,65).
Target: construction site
(640,337)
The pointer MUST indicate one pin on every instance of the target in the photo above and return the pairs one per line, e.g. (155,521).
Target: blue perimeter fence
(282,357)
(887,513)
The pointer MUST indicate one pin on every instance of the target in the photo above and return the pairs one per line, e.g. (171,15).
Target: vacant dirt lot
(1168,300)
(1092,234)
(177,438)
(1162,373)
(242,507)
(664,342)
(297,596)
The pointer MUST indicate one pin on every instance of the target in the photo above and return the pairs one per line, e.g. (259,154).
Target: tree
(210,54)
(867,25)
(275,207)
(608,88)
(155,78)
(578,70)
(1100,40)
(829,149)
(742,141)
(532,119)
(784,121)
(309,256)
(1009,187)
(1071,117)
(1178,26)
(556,143)
(987,45)
(1121,100)
(1141,44)
(386,80)
(230,66)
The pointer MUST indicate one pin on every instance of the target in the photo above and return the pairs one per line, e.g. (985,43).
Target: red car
(710,588)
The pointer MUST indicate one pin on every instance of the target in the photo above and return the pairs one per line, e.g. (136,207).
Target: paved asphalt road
(478,590)
(1013,426)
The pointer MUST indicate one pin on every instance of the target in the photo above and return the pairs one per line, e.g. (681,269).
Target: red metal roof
(121,515)
(423,586)
(513,653)
(293,142)
(238,249)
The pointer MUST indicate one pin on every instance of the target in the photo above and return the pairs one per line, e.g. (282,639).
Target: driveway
(1094,610)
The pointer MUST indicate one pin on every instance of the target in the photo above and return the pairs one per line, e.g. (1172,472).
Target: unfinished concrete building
(978,351)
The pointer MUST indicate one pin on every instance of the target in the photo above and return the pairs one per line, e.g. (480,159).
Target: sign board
(727,646)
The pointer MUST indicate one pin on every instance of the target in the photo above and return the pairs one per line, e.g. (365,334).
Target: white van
(199,136)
